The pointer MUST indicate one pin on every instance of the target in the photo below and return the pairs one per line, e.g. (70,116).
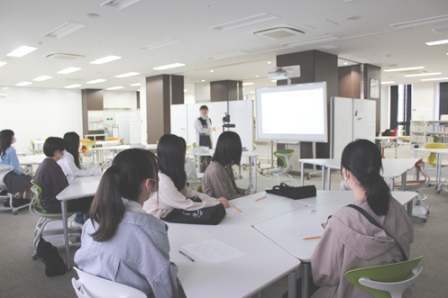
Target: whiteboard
(179,121)
(342,126)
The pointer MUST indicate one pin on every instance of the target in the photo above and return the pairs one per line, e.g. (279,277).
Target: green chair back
(395,272)
(433,156)
(199,188)
(35,206)
(283,159)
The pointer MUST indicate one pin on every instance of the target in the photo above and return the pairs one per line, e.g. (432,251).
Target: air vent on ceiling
(69,80)
(64,56)
(278,33)
(440,30)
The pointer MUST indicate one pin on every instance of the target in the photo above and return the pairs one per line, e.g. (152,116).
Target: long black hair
(5,140)
(363,159)
(122,180)
(228,149)
(52,144)
(171,154)
(71,140)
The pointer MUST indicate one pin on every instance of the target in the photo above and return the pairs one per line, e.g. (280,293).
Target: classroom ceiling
(358,31)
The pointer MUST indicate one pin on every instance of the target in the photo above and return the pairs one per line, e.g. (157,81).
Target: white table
(252,160)
(240,277)
(439,153)
(81,187)
(31,159)
(388,138)
(120,148)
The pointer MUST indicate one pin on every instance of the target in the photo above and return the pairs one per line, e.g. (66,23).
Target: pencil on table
(310,238)
(237,208)
(260,199)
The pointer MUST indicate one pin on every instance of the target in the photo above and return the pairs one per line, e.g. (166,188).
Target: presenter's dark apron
(204,139)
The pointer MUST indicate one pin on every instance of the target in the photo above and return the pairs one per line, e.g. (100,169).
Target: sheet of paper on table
(213,251)
(303,231)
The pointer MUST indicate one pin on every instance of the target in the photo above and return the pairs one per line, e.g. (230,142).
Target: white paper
(252,212)
(303,231)
(213,251)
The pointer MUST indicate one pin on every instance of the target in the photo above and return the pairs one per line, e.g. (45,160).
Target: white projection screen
(292,112)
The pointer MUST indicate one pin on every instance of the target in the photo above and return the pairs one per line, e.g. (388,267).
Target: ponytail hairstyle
(171,154)
(363,159)
(5,140)
(228,149)
(71,140)
(122,180)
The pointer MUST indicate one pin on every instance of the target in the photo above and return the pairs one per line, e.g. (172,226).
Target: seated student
(173,192)
(218,178)
(70,164)
(16,181)
(50,177)
(120,241)
(350,241)
(190,167)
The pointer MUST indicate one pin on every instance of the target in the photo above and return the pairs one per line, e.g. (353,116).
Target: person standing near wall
(203,126)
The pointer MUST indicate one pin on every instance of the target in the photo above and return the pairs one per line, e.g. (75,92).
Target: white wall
(189,93)
(120,100)
(202,92)
(385,106)
(34,113)
(423,101)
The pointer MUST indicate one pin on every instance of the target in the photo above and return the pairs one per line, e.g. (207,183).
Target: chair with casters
(386,281)
(422,210)
(90,286)
(284,155)
(31,148)
(199,188)
(49,224)
(432,158)
(4,170)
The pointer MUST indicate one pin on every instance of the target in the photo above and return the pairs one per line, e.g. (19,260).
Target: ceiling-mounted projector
(278,74)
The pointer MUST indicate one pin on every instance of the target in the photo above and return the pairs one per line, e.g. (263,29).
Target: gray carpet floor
(21,276)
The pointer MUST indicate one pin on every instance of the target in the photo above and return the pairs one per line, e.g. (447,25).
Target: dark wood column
(349,81)
(226,91)
(92,100)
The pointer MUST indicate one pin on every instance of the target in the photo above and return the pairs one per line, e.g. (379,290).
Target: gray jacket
(219,182)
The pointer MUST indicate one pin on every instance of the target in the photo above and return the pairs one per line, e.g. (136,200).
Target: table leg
(392,184)
(292,279)
(250,172)
(302,166)
(329,178)
(255,174)
(323,177)
(410,204)
(440,173)
(198,162)
(65,225)
(396,148)
(305,279)
(415,169)
(437,171)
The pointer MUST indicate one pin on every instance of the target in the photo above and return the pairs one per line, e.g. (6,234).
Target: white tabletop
(264,262)
(125,147)
(212,151)
(284,229)
(79,188)
(432,150)
(387,138)
(101,143)
(314,161)
(31,159)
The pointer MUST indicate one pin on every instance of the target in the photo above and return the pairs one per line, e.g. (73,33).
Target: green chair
(386,281)
(284,155)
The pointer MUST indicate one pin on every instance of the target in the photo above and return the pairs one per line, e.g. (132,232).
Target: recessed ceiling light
(269,62)
(423,74)
(23,84)
(345,63)
(185,90)
(274,81)
(115,88)
(211,70)
(387,83)
(263,17)
(96,81)
(92,15)
(63,30)
(243,89)
(159,44)
(437,42)
(435,79)
(203,80)
(69,70)
(22,51)
(420,22)
(105,59)
(248,83)
(174,65)
(119,4)
(136,84)
(42,78)
(403,69)
(256,76)
(72,86)
(129,74)
(2,63)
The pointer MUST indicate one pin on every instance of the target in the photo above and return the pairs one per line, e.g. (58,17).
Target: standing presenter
(204,129)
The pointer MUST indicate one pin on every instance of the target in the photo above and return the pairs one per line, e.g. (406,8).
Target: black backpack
(49,255)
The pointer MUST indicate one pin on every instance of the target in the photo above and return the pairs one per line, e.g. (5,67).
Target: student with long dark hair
(120,241)
(219,180)
(70,162)
(173,192)
(350,240)
(16,181)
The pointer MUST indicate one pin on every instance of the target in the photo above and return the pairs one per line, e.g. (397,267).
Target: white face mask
(62,156)
(13,140)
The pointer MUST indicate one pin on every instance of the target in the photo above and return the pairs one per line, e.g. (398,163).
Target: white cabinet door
(364,116)
(342,124)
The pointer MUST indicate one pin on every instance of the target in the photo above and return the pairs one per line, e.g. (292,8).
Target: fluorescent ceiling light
(274,81)
(435,79)
(42,78)
(403,69)
(129,74)
(136,84)
(437,42)
(69,70)
(22,51)
(248,83)
(227,55)
(159,44)
(115,88)
(72,86)
(309,41)
(63,30)
(423,74)
(387,83)
(105,59)
(174,65)
(119,4)
(420,22)
(2,63)
(24,84)
(252,92)
(263,17)
(96,81)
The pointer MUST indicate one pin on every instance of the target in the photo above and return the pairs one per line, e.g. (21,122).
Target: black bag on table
(48,254)
(295,193)
(206,216)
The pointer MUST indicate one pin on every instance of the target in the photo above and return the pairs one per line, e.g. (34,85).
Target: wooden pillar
(226,90)
(92,100)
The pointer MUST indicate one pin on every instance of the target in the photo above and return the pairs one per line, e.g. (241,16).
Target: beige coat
(219,182)
(350,241)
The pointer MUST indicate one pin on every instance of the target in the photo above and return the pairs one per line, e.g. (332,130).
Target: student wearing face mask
(50,177)
(120,241)
(16,181)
